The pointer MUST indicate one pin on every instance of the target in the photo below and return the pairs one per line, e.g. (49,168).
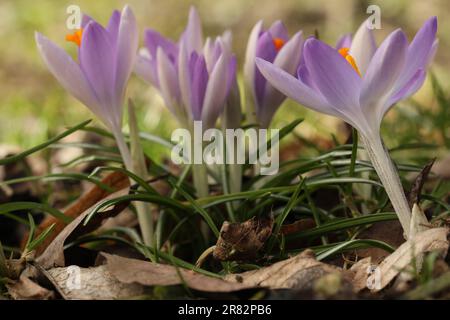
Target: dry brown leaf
(361,271)
(97,283)
(241,241)
(152,274)
(27,289)
(114,180)
(298,226)
(53,256)
(390,232)
(427,241)
(416,189)
(299,272)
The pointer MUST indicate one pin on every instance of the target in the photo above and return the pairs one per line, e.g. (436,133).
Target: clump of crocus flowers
(359,85)
(355,81)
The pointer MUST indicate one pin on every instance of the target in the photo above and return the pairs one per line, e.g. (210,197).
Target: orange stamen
(345,53)
(75,37)
(278,43)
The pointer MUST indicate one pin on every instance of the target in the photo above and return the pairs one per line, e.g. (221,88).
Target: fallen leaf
(153,274)
(298,226)
(241,241)
(114,180)
(27,289)
(390,232)
(96,283)
(426,241)
(361,271)
(53,256)
(299,272)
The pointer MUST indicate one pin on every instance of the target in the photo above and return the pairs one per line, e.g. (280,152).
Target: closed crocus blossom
(359,85)
(193,78)
(105,61)
(274,46)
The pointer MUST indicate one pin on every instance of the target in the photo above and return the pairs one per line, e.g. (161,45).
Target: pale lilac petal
(193,35)
(199,84)
(293,88)
(227,39)
(212,52)
(250,54)
(145,70)
(304,76)
(215,92)
(384,70)
(232,69)
(411,87)
(168,82)
(97,60)
(338,82)
(127,46)
(113,26)
(420,51)
(154,40)
(344,42)
(278,30)
(68,73)
(185,76)
(85,19)
(363,47)
(288,59)
(266,50)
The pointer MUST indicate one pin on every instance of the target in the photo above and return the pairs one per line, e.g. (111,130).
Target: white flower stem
(388,174)
(144,213)
(200,177)
(199,170)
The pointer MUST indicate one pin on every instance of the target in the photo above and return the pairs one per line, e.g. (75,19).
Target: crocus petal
(265,50)
(338,82)
(144,68)
(113,26)
(97,60)
(193,35)
(67,72)
(184,76)
(199,84)
(127,45)
(293,88)
(212,52)
(227,39)
(363,47)
(85,19)
(383,71)
(278,30)
(420,50)
(232,68)
(154,40)
(287,59)
(215,92)
(304,76)
(250,54)
(344,42)
(168,82)
(411,87)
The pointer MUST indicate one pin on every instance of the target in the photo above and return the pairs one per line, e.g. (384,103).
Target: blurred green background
(34,106)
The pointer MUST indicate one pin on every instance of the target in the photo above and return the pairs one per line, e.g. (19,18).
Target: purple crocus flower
(105,61)
(274,46)
(193,78)
(359,85)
